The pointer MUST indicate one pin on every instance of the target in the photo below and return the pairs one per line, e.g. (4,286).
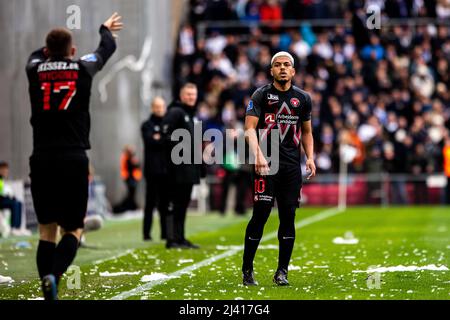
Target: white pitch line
(302,223)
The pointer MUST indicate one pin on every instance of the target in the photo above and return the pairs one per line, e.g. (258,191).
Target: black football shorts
(284,186)
(59,187)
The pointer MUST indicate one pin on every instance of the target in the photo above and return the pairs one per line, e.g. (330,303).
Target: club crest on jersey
(272,97)
(269,118)
(295,102)
(250,105)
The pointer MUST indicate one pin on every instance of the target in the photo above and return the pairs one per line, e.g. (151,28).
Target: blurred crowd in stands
(385,91)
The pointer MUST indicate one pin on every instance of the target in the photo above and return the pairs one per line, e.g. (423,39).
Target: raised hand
(114,23)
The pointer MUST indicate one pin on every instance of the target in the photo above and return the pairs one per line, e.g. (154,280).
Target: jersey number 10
(57,87)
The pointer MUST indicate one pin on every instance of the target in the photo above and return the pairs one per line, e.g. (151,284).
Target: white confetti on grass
(181,261)
(341,240)
(348,238)
(292,267)
(431,267)
(116,274)
(220,247)
(268,246)
(155,276)
(5,279)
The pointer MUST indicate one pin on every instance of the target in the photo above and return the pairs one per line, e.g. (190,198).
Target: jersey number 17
(70,86)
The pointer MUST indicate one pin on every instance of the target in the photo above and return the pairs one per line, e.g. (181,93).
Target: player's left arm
(36,57)
(307,137)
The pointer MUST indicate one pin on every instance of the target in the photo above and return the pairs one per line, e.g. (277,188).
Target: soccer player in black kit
(59,89)
(286,108)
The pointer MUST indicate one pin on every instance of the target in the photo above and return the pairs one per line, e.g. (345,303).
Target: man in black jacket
(182,176)
(155,169)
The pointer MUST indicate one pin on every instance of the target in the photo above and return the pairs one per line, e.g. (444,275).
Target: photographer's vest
(447,160)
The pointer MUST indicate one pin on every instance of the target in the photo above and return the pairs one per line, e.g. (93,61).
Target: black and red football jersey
(282,110)
(60,91)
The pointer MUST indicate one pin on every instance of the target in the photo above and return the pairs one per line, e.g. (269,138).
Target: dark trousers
(241,180)
(180,197)
(16,210)
(156,196)
(129,202)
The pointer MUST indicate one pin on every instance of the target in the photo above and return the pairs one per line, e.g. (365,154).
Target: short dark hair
(188,85)
(3,164)
(59,42)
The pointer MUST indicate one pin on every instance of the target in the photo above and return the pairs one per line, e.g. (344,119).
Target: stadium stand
(386,91)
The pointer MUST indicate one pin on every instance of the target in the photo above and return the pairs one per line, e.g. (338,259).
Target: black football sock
(65,253)
(44,257)
(285,252)
(253,234)
(286,235)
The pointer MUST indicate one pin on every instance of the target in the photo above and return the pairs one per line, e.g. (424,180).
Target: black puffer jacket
(181,116)
(155,161)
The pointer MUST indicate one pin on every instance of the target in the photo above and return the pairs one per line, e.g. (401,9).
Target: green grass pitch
(320,268)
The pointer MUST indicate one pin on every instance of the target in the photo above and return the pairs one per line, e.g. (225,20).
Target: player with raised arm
(60,89)
(284,107)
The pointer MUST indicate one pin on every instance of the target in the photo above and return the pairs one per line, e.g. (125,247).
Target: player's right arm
(253,113)
(95,61)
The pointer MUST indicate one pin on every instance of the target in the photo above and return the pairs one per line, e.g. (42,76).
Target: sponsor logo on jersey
(250,105)
(272,102)
(272,97)
(295,102)
(89,57)
(288,119)
(269,118)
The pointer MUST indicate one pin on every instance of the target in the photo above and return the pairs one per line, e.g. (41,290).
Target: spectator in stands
(299,46)
(419,167)
(393,165)
(397,75)
(271,12)
(8,201)
(186,45)
(443,9)
(374,50)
